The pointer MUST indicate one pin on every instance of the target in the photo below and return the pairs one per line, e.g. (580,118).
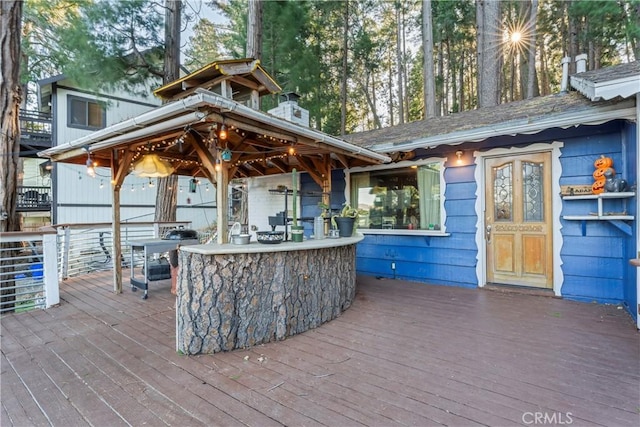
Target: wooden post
(117,248)
(222,201)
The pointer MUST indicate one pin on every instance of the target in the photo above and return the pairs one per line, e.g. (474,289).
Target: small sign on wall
(575,190)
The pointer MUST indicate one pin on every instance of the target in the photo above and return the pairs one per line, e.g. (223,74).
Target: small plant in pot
(345,221)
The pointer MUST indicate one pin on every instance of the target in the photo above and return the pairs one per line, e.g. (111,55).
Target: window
(85,113)
(409,197)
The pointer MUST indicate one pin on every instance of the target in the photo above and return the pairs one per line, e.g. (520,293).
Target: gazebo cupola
(242,80)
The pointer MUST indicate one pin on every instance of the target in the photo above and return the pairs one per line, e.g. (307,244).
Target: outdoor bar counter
(237,296)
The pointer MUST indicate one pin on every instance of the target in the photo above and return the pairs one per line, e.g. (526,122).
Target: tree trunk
(254,30)
(429,85)
(10,98)
(345,70)
(399,60)
(167,195)
(491,59)
(531,69)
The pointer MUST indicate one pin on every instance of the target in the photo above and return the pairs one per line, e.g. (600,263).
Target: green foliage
(204,46)
(98,45)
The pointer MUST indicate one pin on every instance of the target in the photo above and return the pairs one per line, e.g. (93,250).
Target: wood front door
(518,224)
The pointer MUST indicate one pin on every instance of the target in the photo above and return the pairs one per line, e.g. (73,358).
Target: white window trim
(403,165)
(556,172)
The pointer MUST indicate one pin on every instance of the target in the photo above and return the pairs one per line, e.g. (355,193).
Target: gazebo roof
(186,132)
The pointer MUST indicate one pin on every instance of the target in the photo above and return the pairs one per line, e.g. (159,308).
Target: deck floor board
(403,354)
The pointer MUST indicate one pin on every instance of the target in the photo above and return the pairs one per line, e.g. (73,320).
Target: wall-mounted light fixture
(459,154)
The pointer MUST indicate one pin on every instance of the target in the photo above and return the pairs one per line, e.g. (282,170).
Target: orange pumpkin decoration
(603,162)
(598,186)
(599,173)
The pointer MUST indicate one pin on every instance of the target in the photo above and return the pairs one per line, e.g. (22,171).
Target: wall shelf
(616,219)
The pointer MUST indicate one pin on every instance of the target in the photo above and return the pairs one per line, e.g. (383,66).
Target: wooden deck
(403,354)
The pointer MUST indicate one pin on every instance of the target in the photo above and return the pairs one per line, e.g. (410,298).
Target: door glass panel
(533,199)
(503,192)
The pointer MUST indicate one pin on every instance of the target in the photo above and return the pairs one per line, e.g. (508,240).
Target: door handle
(488,232)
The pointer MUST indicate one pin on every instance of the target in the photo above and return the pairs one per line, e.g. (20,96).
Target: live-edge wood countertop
(256,247)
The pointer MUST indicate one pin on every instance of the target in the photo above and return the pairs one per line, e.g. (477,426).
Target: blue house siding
(444,260)
(630,283)
(595,253)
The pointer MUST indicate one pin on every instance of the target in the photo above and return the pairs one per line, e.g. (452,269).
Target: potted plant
(345,220)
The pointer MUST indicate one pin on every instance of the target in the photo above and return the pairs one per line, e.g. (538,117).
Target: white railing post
(50,268)
(65,252)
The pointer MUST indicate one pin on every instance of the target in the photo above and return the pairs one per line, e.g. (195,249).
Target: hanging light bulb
(223,132)
(292,151)
(91,170)
(132,188)
(151,184)
(101,184)
(207,187)
(143,186)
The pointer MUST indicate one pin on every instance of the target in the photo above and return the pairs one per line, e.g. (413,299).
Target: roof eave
(606,90)
(180,113)
(522,126)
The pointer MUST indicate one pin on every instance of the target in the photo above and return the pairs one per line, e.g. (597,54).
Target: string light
(151,184)
(91,170)
(101,184)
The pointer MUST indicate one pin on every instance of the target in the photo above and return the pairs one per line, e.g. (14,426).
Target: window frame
(407,164)
(86,101)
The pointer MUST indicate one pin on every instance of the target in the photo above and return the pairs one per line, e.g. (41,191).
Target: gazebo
(211,127)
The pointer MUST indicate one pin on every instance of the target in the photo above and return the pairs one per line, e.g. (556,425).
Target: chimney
(289,109)
(565,73)
(581,63)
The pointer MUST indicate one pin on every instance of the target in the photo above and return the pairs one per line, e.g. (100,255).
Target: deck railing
(28,270)
(33,263)
(84,248)
(36,128)
(32,198)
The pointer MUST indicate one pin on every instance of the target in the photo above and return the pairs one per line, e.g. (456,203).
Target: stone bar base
(237,300)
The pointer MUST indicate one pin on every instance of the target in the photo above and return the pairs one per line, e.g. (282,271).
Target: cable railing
(28,271)
(32,264)
(84,248)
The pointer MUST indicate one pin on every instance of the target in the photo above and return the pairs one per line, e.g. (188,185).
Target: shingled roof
(529,116)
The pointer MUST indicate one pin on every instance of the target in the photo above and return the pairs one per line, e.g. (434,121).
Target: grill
(181,234)
(158,269)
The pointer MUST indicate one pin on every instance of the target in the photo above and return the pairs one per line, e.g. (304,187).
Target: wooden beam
(311,170)
(206,85)
(205,156)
